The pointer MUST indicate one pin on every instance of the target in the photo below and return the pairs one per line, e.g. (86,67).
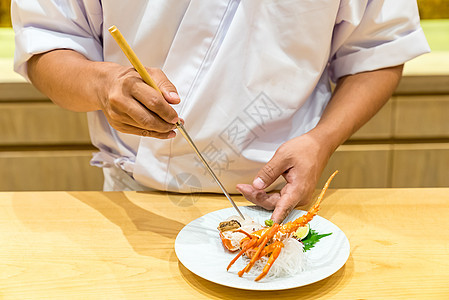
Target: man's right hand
(132,106)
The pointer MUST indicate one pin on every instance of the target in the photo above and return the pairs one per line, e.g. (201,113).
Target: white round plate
(199,248)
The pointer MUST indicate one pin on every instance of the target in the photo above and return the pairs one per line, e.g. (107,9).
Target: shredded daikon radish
(291,261)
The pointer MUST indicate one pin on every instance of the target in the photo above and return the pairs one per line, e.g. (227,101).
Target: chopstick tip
(112,28)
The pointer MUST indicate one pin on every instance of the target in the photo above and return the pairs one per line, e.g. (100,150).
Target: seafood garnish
(228,225)
(267,242)
(231,237)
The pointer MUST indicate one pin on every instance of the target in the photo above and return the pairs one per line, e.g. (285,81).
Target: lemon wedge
(302,232)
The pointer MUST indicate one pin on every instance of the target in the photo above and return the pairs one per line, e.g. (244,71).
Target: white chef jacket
(251,74)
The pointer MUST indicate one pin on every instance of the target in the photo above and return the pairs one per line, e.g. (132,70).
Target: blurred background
(43,147)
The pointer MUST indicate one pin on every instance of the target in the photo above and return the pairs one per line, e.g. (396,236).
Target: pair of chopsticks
(132,57)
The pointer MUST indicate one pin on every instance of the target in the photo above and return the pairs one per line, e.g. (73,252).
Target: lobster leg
(263,240)
(274,255)
(249,244)
(258,243)
(255,257)
(303,220)
(267,250)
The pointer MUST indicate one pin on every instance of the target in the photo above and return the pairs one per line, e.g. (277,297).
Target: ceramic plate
(199,248)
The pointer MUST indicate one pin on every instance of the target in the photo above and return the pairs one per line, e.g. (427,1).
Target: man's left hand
(300,161)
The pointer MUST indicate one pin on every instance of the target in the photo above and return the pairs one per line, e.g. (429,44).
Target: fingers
(123,110)
(134,107)
(148,133)
(154,102)
(288,200)
(258,197)
(300,161)
(281,203)
(278,165)
(132,129)
(144,118)
(167,88)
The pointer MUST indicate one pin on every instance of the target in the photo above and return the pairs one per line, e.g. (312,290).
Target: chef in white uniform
(251,79)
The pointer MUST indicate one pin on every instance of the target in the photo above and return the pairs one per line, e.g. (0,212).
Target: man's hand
(129,104)
(300,161)
(132,106)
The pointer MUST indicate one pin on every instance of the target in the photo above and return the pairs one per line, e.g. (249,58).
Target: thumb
(167,88)
(270,172)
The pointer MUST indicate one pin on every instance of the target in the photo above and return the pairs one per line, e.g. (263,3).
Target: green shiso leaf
(312,238)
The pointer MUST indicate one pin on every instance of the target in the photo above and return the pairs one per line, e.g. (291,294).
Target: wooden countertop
(97,245)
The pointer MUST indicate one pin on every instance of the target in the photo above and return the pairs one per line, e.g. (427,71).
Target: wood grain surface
(96,245)
(424,116)
(41,124)
(49,170)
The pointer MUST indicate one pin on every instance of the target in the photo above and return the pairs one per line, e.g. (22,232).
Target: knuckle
(123,73)
(154,102)
(147,122)
(116,101)
(160,108)
(287,208)
(303,193)
(281,149)
(291,205)
(146,133)
(113,99)
(166,85)
(284,152)
(155,71)
(268,171)
(114,116)
(128,109)
(269,206)
(129,82)
(300,190)
(126,71)
(285,214)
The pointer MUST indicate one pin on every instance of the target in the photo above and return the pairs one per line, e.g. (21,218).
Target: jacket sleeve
(375,34)
(42,26)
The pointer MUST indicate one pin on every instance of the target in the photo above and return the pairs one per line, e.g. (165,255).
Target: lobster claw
(227,243)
